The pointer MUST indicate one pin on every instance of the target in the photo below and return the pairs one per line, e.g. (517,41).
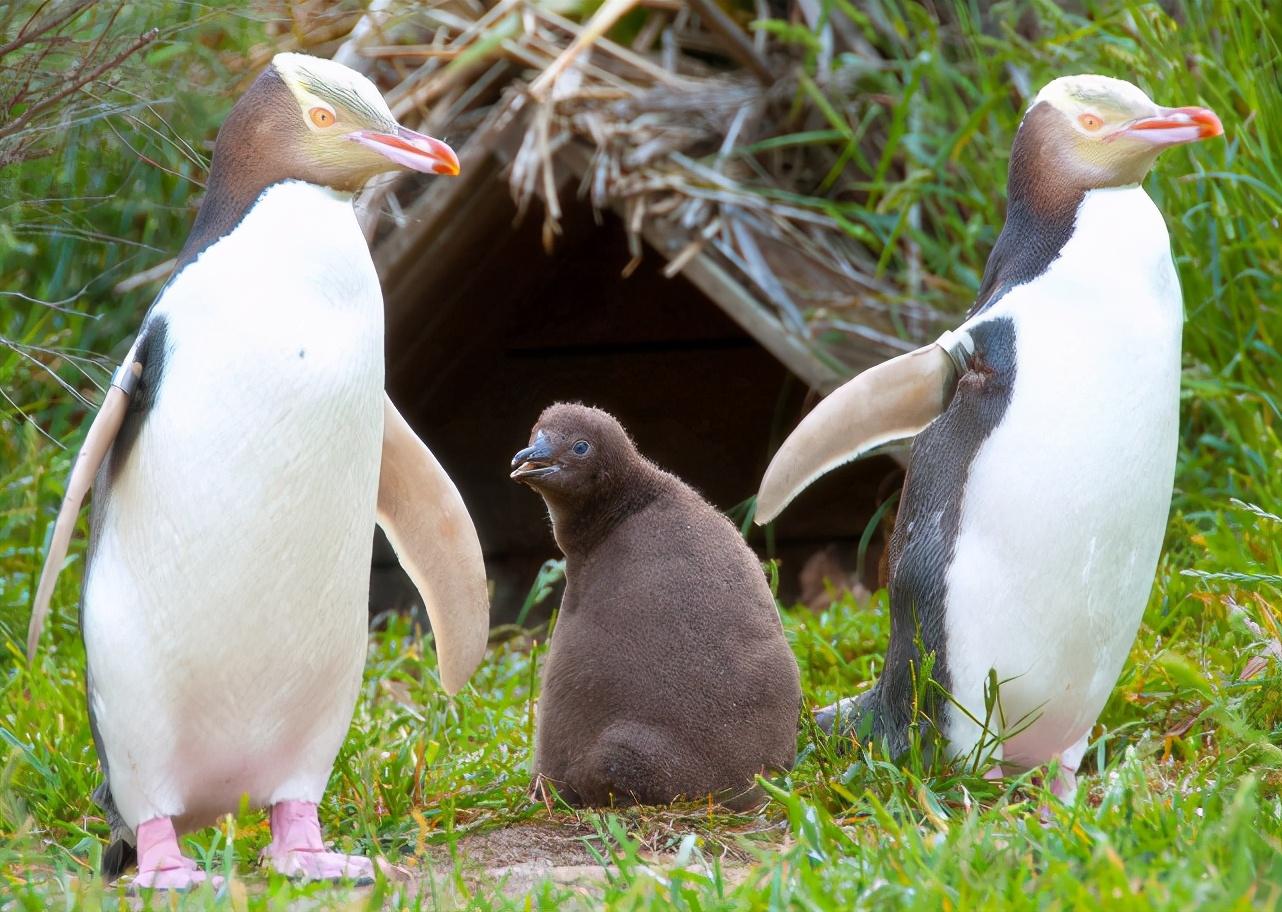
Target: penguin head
(1094,131)
(316,120)
(577,455)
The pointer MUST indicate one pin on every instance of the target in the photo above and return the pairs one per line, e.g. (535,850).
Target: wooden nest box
(486,327)
(617,236)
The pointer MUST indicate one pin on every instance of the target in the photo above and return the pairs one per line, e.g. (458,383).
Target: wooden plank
(457,201)
(729,294)
(755,318)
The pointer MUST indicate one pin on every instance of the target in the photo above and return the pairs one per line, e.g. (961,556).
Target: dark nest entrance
(488,329)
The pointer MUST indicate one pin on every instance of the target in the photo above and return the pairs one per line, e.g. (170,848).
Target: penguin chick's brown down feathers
(668,675)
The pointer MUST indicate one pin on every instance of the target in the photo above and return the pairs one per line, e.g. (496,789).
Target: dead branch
(28,36)
(77,82)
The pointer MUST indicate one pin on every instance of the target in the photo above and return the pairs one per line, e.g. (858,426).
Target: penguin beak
(535,461)
(410,150)
(1173,126)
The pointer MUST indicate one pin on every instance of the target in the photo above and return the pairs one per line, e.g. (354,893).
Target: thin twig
(79,81)
(601,22)
(24,37)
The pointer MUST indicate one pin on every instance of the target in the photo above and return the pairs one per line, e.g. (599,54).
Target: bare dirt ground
(518,857)
(570,853)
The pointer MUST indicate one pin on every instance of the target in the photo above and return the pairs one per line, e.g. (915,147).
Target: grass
(1170,822)
(1181,804)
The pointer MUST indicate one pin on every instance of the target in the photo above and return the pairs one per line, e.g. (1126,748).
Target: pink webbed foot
(1064,786)
(161,864)
(297,849)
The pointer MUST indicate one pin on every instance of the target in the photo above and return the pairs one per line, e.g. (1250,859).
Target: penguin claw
(1064,786)
(297,850)
(327,866)
(179,879)
(841,718)
(825,718)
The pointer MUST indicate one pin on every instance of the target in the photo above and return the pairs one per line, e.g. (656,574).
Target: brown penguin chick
(668,675)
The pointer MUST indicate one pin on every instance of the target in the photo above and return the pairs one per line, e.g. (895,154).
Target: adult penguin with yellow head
(1045,430)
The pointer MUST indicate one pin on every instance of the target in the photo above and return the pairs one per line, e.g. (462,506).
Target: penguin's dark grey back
(925,536)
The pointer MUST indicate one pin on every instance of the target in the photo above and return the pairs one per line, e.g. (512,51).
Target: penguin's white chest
(1066,502)
(226,605)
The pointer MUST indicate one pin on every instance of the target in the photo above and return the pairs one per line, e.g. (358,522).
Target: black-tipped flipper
(121,853)
(152,354)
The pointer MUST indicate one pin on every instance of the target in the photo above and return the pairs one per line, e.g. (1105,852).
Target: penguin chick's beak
(534,461)
(410,150)
(1173,126)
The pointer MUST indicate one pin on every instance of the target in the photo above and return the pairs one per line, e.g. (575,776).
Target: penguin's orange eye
(1090,122)
(322,117)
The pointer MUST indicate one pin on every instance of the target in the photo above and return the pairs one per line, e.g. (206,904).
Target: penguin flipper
(122,852)
(428,525)
(102,433)
(119,858)
(893,401)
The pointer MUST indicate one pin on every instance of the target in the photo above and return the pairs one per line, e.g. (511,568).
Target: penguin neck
(579,527)
(256,148)
(226,204)
(1041,211)
(1046,186)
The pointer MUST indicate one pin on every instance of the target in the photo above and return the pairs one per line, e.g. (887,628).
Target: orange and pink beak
(1173,126)
(411,150)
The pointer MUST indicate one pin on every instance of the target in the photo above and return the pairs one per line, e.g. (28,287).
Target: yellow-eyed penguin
(1041,474)
(246,449)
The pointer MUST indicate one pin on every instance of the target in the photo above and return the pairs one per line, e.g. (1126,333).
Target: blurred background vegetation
(102,184)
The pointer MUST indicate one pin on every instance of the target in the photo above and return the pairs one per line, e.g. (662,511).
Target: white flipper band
(960,347)
(429,527)
(93,451)
(892,401)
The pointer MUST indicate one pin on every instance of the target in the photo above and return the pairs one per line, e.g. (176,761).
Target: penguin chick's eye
(581,448)
(1090,122)
(322,117)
